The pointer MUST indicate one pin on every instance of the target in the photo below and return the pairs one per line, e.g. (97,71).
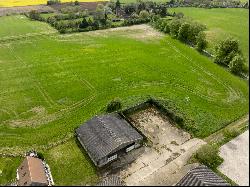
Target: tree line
(227,52)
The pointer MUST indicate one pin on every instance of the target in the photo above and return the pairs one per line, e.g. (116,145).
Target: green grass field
(221,23)
(51,84)
(14,26)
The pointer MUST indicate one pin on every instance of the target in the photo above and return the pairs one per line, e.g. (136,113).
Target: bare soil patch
(140,32)
(83,5)
(24,9)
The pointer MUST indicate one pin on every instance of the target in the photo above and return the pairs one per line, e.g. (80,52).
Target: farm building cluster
(106,138)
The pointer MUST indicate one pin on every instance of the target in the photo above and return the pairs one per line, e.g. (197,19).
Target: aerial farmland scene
(124,93)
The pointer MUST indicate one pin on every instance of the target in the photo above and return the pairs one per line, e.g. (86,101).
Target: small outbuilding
(202,176)
(112,180)
(31,172)
(106,137)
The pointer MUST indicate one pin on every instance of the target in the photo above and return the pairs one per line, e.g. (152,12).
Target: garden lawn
(51,84)
(221,23)
(70,165)
(8,166)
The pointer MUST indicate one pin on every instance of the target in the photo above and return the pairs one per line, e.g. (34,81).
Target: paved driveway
(236,159)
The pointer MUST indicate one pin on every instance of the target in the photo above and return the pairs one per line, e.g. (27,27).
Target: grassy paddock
(70,164)
(221,23)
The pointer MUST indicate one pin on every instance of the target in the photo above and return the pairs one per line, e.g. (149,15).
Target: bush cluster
(187,31)
(228,54)
(53,2)
(208,155)
(209,4)
(114,105)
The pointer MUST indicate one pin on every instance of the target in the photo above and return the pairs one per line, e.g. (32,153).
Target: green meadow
(221,23)
(50,84)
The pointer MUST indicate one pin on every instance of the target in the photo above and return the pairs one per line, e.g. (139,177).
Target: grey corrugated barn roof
(112,180)
(202,176)
(104,134)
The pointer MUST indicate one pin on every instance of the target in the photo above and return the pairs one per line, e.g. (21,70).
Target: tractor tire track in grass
(34,121)
(231,92)
(37,83)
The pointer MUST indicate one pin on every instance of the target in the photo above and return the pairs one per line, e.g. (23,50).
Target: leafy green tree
(236,66)
(130,8)
(117,7)
(226,50)
(201,42)
(84,24)
(52,2)
(174,26)
(195,28)
(33,14)
(165,25)
(76,3)
(184,32)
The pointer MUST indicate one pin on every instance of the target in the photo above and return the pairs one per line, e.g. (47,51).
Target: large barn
(106,137)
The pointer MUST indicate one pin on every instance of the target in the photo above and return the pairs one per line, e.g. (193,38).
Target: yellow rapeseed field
(11,3)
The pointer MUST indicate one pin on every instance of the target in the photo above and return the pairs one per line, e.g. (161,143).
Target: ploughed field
(221,23)
(50,84)
(12,3)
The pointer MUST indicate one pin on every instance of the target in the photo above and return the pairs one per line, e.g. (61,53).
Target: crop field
(221,23)
(51,84)
(12,3)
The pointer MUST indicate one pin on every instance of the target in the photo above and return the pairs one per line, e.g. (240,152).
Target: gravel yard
(163,162)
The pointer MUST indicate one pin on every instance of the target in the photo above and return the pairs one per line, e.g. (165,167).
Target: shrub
(114,105)
(135,16)
(236,65)
(179,15)
(40,155)
(208,155)
(201,42)
(231,133)
(144,15)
